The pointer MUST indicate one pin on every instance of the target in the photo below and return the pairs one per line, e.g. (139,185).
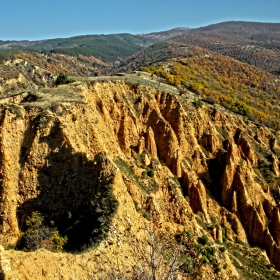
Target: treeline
(101,50)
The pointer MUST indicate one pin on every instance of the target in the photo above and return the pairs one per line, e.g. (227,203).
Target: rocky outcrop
(126,156)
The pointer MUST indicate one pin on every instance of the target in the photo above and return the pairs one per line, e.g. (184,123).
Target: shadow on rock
(75,194)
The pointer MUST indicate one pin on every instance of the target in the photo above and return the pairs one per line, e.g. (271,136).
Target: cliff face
(83,164)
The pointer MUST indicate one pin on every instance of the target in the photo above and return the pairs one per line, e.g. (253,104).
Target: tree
(160,257)
(62,79)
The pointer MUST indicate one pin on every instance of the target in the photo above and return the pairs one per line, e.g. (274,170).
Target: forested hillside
(111,48)
(239,87)
(255,43)
(233,64)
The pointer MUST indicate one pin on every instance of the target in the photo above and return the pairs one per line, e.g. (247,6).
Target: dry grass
(43,98)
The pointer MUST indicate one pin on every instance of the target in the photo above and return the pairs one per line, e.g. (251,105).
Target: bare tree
(161,257)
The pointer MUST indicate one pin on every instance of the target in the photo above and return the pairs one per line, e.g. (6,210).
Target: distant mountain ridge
(149,37)
(244,26)
(164,35)
(255,43)
(109,48)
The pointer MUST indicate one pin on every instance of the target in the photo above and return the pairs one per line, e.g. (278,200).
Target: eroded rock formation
(85,168)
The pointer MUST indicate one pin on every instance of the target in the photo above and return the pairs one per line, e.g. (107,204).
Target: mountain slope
(109,48)
(81,154)
(257,44)
(238,87)
(163,35)
(258,31)
(188,150)
(25,71)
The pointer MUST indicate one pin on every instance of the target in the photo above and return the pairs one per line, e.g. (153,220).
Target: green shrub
(210,251)
(201,222)
(128,171)
(197,103)
(239,241)
(204,260)
(39,236)
(198,247)
(146,215)
(205,253)
(210,99)
(144,173)
(35,221)
(225,233)
(203,240)
(151,173)
(222,249)
(148,171)
(62,79)
(189,235)
(211,227)
(176,181)
(217,268)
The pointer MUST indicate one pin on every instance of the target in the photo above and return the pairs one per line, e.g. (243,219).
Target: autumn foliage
(237,86)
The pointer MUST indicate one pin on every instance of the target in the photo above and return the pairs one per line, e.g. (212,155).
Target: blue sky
(46,19)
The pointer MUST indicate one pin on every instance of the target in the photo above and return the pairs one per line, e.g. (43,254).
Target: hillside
(257,44)
(108,48)
(158,52)
(24,71)
(254,43)
(92,158)
(163,35)
(265,33)
(239,87)
(175,159)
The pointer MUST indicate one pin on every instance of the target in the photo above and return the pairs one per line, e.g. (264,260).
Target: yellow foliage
(239,87)
(261,115)
(58,241)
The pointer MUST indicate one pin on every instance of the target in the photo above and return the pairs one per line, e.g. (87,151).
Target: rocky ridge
(83,164)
